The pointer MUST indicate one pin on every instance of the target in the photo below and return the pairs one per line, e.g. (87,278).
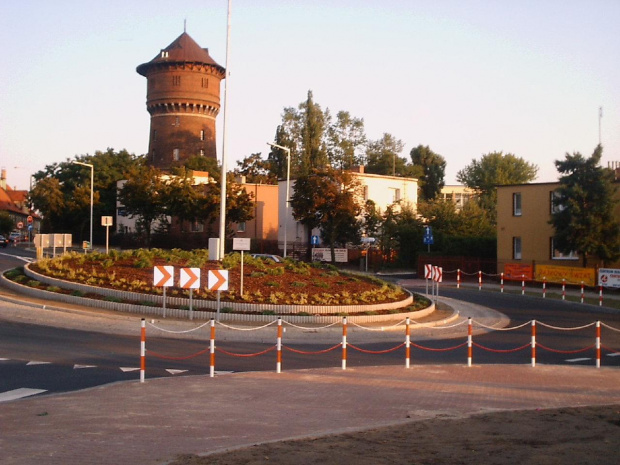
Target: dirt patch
(588,435)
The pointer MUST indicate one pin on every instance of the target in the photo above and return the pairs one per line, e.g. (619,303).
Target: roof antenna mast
(185,25)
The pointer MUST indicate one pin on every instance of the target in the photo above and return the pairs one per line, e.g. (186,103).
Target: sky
(465,77)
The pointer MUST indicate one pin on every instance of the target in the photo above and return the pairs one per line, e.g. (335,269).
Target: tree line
(323,149)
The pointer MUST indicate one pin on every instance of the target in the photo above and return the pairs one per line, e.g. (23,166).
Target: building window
(153,157)
(154,135)
(557,255)
(177,121)
(516,248)
(197,227)
(205,83)
(395,195)
(202,134)
(241,227)
(554,206)
(202,152)
(365,192)
(175,154)
(516,204)
(176,80)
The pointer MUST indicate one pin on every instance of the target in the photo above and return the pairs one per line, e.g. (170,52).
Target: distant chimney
(3,178)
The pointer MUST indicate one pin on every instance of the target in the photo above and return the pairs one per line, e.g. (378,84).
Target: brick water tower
(183,99)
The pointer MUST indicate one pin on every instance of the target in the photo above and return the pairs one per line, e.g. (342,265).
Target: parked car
(266,256)
(3,241)
(15,237)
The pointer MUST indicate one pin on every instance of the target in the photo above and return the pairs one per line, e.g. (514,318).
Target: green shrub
(53,289)
(111,298)
(33,283)
(299,284)
(77,293)
(257,274)
(272,284)
(14,273)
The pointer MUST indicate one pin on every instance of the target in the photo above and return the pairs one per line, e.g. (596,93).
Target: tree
(65,202)
(495,169)
(6,223)
(329,200)
(382,157)
(345,137)
(256,170)
(432,170)
(584,205)
(143,196)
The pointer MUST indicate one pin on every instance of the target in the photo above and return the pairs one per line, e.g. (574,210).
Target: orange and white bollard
(479,280)
(544,287)
(469,341)
(563,289)
(522,284)
(212,350)
(407,343)
(344,343)
(279,347)
(501,287)
(600,296)
(458,278)
(142,350)
(598,344)
(533,343)
(582,292)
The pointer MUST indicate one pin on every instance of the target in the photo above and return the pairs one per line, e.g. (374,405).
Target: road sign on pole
(217,280)
(189,278)
(163,276)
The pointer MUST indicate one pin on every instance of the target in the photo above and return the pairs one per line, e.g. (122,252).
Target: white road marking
(79,367)
(126,369)
(34,362)
(19,393)
(615,354)
(572,360)
(175,372)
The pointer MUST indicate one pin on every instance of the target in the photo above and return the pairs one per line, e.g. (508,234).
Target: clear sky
(465,77)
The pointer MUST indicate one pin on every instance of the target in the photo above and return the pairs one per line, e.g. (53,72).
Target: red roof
(183,50)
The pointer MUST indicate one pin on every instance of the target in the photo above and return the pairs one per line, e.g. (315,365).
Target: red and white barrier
(533,343)
(598,344)
(212,350)
(344,343)
(279,347)
(142,350)
(563,289)
(469,341)
(407,343)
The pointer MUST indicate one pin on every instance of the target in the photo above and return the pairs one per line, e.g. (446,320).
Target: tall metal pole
(288,182)
(600,116)
(224,138)
(92,179)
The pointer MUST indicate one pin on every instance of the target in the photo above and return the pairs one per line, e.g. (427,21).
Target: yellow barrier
(572,275)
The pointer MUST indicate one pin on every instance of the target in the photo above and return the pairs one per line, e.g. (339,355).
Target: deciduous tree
(430,170)
(584,219)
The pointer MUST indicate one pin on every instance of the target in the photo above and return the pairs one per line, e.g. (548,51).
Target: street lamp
(288,179)
(92,177)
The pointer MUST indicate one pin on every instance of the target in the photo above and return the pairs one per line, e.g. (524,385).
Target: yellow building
(525,236)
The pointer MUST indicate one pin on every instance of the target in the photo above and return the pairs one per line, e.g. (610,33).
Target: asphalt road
(57,359)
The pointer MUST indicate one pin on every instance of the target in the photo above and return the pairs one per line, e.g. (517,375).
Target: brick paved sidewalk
(156,421)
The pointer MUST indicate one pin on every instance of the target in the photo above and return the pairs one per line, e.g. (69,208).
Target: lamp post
(288,179)
(92,177)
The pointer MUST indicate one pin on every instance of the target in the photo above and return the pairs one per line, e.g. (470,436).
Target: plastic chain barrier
(278,347)
(460,273)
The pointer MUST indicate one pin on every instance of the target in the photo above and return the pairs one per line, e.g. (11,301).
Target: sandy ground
(587,435)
